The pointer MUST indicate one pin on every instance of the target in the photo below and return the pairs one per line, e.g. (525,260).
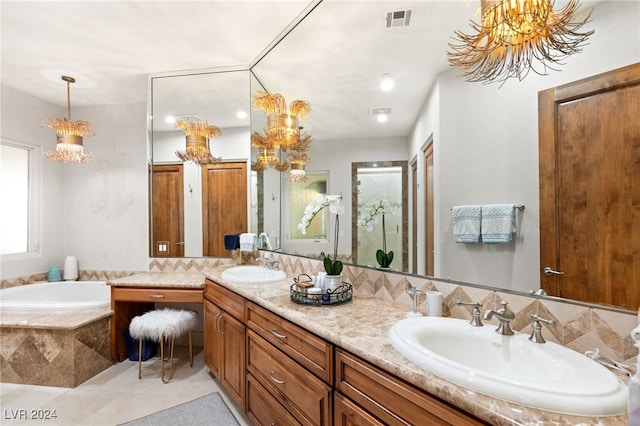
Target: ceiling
(334,59)
(111,46)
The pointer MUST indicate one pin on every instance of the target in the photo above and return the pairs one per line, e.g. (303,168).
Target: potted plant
(377,211)
(332,266)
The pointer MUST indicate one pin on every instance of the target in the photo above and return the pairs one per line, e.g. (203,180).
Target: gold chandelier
(283,134)
(513,35)
(69,134)
(197,145)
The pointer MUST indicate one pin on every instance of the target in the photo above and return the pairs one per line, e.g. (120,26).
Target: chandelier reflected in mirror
(283,136)
(197,135)
(516,36)
(69,134)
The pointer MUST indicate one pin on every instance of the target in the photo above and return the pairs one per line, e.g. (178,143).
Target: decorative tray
(338,296)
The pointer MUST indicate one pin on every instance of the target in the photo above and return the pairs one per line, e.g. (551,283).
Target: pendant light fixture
(283,134)
(516,36)
(69,134)
(197,134)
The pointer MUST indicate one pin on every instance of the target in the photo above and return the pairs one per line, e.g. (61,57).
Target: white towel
(498,223)
(248,242)
(466,223)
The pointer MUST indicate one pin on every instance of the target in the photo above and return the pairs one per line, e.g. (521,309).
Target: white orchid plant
(334,202)
(376,213)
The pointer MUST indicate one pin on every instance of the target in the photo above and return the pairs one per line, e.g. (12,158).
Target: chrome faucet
(269,263)
(476,321)
(536,333)
(263,241)
(505,316)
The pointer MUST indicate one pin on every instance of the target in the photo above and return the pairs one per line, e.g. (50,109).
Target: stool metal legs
(140,358)
(171,369)
(171,342)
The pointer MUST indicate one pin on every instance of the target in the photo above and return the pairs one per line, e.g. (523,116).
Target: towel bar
(517,206)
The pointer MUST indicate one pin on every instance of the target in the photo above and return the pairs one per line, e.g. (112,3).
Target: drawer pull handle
(156,296)
(280,382)
(219,319)
(278,335)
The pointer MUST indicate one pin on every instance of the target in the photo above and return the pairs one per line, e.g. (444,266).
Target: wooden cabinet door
(224,350)
(224,205)
(213,340)
(233,370)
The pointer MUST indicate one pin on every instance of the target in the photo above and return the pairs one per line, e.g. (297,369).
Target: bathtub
(62,295)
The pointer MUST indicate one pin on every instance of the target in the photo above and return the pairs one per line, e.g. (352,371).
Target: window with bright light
(18,190)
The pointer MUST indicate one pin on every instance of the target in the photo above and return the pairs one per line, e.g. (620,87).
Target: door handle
(181,243)
(549,272)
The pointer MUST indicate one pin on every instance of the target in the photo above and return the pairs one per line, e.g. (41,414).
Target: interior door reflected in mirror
(379,209)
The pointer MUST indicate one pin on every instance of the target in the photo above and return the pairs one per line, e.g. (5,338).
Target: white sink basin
(252,275)
(546,376)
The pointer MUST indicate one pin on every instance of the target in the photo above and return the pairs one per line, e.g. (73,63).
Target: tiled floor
(113,396)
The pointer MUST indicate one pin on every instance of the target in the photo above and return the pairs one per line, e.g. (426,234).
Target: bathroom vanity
(137,294)
(285,363)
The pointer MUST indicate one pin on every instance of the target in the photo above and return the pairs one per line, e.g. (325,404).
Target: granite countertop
(183,280)
(361,327)
(51,319)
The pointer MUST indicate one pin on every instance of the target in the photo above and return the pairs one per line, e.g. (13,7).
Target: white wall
(486,150)
(95,211)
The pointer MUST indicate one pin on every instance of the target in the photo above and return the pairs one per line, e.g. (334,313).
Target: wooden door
(224,205)
(590,188)
(414,216)
(429,211)
(167,227)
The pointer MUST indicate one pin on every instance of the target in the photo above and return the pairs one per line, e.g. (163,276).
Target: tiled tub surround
(361,327)
(53,348)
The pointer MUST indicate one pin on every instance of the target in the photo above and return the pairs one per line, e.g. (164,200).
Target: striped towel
(466,223)
(248,242)
(498,223)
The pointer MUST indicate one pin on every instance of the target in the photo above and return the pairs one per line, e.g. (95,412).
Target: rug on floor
(206,410)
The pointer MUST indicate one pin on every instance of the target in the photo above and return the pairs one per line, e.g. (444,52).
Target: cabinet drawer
(264,409)
(123,294)
(305,396)
(347,413)
(390,399)
(312,352)
(229,301)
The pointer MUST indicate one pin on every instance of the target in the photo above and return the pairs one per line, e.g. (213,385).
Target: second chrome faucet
(504,315)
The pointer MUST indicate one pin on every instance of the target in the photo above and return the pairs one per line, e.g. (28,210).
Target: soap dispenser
(634,383)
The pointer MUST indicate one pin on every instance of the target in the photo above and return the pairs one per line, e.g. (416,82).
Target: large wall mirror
(483,138)
(222,99)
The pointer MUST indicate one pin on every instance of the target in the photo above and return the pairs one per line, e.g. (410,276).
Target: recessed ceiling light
(381,114)
(241,115)
(386,84)
(170,119)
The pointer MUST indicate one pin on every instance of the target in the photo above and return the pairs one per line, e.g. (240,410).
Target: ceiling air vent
(194,117)
(380,110)
(399,18)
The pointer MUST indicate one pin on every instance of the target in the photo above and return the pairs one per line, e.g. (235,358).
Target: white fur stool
(163,324)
